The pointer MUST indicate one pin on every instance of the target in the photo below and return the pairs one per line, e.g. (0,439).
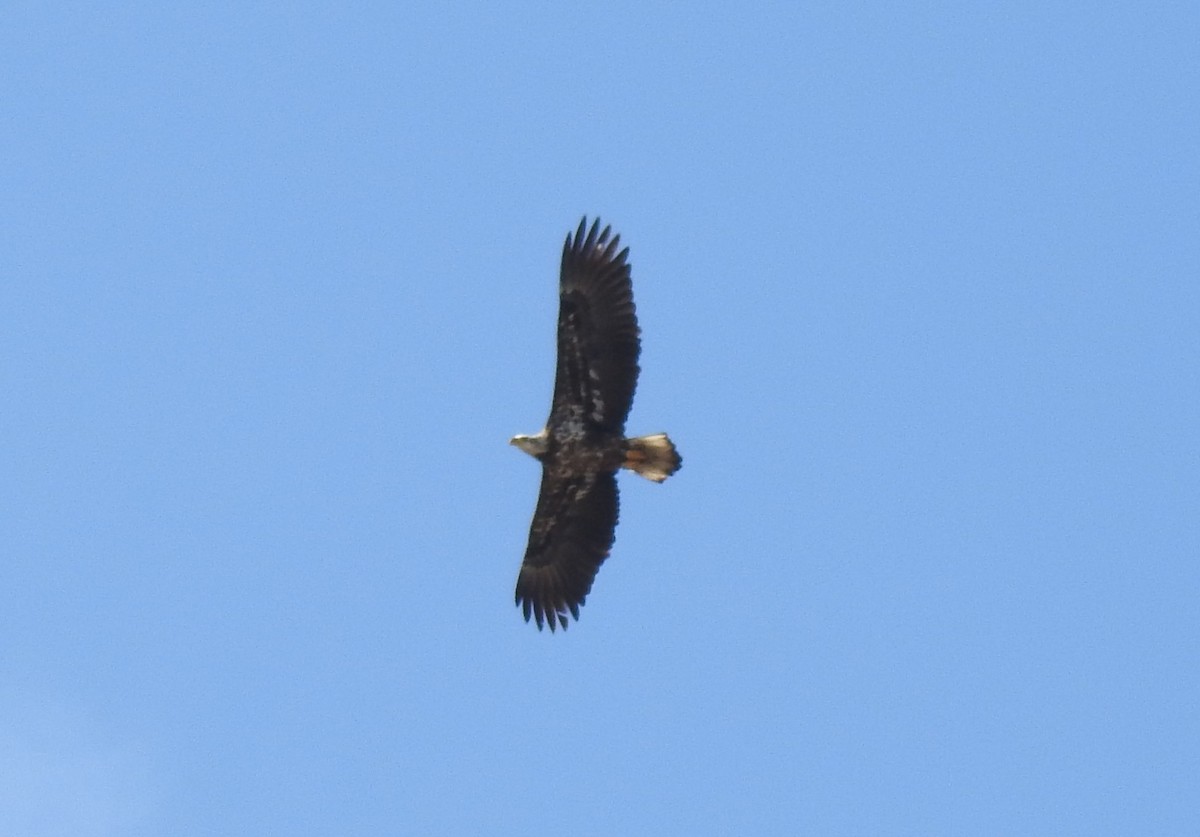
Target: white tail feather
(653,457)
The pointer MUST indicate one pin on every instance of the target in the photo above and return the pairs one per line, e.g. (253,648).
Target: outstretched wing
(598,342)
(571,535)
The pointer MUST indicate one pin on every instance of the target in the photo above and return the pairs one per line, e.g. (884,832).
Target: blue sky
(918,285)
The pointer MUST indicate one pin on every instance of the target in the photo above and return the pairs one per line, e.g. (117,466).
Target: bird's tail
(653,457)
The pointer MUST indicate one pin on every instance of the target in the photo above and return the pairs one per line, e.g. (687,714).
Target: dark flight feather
(598,341)
(572,532)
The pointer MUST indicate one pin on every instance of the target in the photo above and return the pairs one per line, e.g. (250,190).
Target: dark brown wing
(571,535)
(598,342)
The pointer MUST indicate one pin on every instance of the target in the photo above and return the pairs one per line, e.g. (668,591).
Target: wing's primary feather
(571,535)
(598,342)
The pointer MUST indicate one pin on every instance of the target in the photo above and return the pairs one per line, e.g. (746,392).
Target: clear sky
(919,292)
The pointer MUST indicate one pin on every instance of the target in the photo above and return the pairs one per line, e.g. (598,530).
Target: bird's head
(534,445)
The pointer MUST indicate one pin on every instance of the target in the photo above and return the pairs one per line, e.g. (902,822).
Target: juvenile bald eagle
(583,444)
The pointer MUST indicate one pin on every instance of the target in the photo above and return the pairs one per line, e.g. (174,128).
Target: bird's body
(583,444)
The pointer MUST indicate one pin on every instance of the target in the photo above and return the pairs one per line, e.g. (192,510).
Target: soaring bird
(583,444)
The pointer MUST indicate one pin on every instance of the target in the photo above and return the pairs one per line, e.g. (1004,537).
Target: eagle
(583,444)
